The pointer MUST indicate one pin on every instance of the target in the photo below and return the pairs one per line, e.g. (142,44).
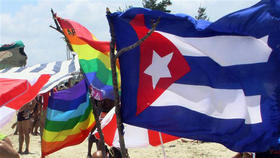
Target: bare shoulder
(6,151)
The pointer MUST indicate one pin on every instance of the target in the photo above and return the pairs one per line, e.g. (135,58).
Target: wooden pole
(94,104)
(57,28)
(116,91)
(98,125)
(113,58)
(136,44)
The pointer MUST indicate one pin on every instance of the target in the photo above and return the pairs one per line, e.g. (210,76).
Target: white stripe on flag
(217,103)
(225,50)
(6,114)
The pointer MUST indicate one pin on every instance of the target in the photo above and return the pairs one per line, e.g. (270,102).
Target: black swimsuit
(23,115)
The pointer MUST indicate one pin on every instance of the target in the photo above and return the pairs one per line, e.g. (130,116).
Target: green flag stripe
(65,125)
(95,65)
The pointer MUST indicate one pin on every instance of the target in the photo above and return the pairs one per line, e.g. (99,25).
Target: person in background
(24,125)
(61,87)
(36,115)
(6,148)
(15,126)
(103,107)
(45,101)
(268,154)
(67,85)
(243,155)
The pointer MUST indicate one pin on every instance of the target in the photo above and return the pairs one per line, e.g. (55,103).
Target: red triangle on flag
(177,66)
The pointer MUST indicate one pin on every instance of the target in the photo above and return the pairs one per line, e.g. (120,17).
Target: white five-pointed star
(158,69)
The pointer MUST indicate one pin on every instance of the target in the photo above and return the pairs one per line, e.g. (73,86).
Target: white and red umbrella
(17,90)
(19,85)
(133,136)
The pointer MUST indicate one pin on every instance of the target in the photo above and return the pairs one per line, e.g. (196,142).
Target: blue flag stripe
(66,105)
(205,71)
(204,128)
(56,115)
(99,85)
(69,99)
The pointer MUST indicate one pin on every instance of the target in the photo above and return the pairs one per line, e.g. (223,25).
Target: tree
(152,4)
(202,14)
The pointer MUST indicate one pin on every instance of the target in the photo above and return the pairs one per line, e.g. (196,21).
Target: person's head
(28,105)
(67,85)
(116,153)
(32,104)
(61,87)
(97,154)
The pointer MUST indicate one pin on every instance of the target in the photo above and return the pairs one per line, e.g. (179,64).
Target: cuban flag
(215,82)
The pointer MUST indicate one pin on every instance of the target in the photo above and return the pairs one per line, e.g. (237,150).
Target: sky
(29,20)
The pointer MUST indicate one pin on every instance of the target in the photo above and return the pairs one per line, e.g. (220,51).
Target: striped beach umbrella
(19,85)
(134,136)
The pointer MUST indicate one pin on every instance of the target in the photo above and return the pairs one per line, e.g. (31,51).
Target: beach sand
(182,148)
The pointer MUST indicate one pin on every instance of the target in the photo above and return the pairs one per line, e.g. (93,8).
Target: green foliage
(202,14)
(152,4)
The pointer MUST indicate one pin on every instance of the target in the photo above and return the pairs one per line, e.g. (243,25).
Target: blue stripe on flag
(233,133)
(55,115)
(205,71)
(69,99)
(106,89)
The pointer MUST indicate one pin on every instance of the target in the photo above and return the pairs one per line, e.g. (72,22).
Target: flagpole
(116,91)
(98,125)
(94,103)
(113,58)
(162,147)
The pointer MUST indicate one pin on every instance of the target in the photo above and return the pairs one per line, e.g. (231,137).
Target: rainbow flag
(69,119)
(93,57)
